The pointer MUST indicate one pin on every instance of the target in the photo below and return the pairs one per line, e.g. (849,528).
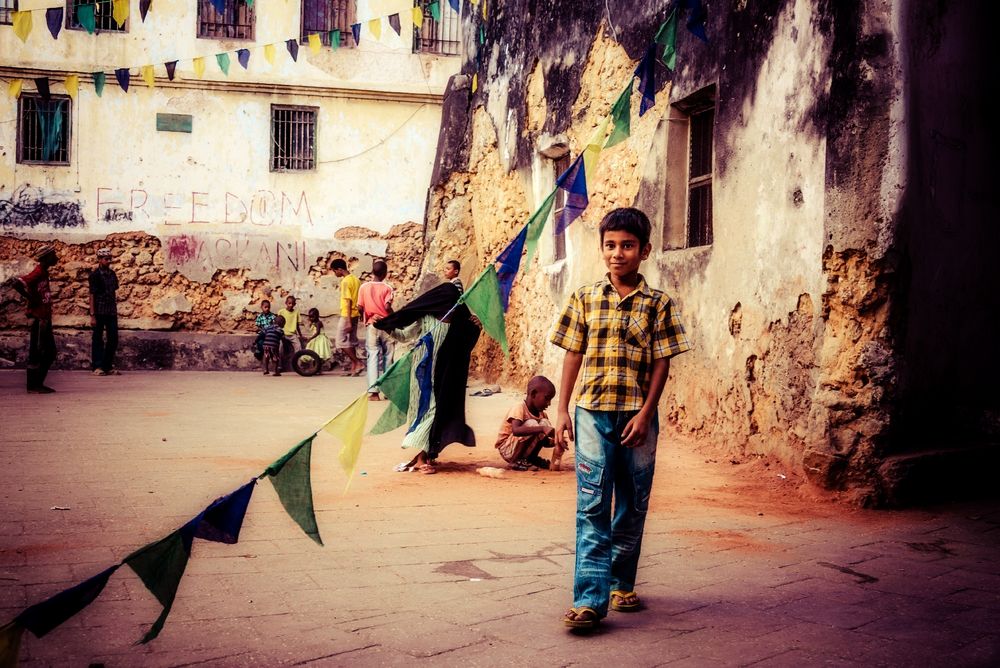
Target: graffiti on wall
(199,256)
(263,208)
(28,207)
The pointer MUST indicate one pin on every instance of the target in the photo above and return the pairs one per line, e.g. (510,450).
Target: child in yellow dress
(318,341)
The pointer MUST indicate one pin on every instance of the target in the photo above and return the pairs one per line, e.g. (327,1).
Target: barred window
(687,214)
(104,19)
(700,178)
(322,16)
(442,37)
(236,21)
(293,138)
(43,129)
(7,9)
(559,238)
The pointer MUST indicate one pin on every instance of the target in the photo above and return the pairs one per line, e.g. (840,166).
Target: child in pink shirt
(375,303)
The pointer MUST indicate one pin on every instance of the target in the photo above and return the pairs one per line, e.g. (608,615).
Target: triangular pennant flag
(144,8)
(52,612)
(418,17)
(122,74)
(220,6)
(22,24)
(199,66)
(484,9)
(395,385)
(667,36)
(696,20)
(249,3)
(454,4)
(293,49)
(160,566)
(536,224)
(394,22)
(424,375)
(574,182)
(14,88)
(349,426)
(269,53)
(148,75)
(483,299)
(222,59)
(10,644)
(42,86)
(54,20)
(171,69)
(646,71)
(291,478)
(85,17)
(375,28)
(356,31)
(243,56)
(119,11)
(510,262)
(72,84)
(482,34)
(475,81)
(99,79)
(621,116)
(435,9)
(315,43)
(592,151)
(222,520)
(334,39)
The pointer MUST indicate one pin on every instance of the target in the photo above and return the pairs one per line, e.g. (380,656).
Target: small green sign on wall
(173,123)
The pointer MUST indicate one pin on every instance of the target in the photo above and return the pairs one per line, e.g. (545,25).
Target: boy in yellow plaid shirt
(622,333)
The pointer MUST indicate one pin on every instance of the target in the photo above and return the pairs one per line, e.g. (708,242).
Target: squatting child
(526,429)
(274,337)
(622,333)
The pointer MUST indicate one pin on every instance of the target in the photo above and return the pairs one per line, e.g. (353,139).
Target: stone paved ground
(453,569)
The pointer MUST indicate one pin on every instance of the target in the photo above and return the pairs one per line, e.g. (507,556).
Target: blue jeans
(608,543)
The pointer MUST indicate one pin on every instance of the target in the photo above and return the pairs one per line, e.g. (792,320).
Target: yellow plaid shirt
(619,338)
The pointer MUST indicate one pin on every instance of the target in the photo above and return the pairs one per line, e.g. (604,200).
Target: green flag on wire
(395,385)
(535,226)
(160,566)
(483,299)
(291,478)
(621,116)
(667,36)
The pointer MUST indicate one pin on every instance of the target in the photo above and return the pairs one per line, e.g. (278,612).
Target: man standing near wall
(34,287)
(347,332)
(104,315)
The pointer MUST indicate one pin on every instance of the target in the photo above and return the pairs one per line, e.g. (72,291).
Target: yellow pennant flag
(147,75)
(22,25)
(474,2)
(72,84)
(269,53)
(592,151)
(199,66)
(120,12)
(315,44)
(475,81)
(348,426)
(375,28)
(14,88)
(418,17)
(484,10)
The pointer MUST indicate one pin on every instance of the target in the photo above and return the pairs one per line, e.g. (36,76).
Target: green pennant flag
(223,60)
(291,477)
(435,10)
(535,226)
(85,17)
(483,299)
(667,36)
(395,385)
(621,116)
(334,39)
(160,566)
(10,643)
(99,83)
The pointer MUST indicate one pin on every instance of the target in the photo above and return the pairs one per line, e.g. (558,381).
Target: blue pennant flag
(50,613)
(574,182)
(54,20)
(123,75)
(424,375)
(243,55)
(222,520)
(510,262)
(646,71)
(293,48)
(356,30)
(696,20)
(454,4)
(220,6)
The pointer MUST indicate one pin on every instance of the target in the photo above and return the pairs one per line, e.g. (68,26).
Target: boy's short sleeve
(669,337)
(570,332)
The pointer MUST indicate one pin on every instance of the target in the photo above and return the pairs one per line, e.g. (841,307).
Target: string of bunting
(161,564)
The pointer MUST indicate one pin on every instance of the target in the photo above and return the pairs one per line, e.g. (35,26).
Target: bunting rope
(161,564)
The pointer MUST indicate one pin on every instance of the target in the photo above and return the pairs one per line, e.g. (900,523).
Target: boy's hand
(635,431)
(563,429)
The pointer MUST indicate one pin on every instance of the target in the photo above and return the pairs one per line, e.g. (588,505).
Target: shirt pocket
(637,340)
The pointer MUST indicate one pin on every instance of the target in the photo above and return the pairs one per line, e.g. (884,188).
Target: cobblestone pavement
(453,569)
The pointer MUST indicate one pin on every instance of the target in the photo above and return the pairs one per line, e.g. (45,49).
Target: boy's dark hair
(540,383)
(627,219)
(279,321)
(456,265)
(265,301)
(313,310)
(339,263)
(380,269)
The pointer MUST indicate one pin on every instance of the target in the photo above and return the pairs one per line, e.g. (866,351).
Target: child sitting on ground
(264,320)
(526,429)
(318,342)
(274,336)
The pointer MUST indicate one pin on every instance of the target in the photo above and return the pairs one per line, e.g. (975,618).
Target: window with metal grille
(438,36)
(236,21)
(7,9)
(323,16)
(559,238)
(700,178)
(293,138)
(43,129)
(104,19)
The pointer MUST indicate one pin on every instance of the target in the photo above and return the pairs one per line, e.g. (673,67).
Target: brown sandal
(581,618)
(625,601)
